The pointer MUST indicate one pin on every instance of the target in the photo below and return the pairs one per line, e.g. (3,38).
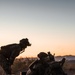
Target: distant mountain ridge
(68,57)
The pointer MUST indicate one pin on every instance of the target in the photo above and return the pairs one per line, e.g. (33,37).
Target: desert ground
(21,65)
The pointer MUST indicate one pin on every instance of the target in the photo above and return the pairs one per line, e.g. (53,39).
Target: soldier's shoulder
(9,46)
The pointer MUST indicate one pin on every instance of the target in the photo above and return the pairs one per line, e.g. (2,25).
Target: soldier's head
(24,43)
(43,56)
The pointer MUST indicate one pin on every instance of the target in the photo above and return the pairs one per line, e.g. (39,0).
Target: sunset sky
(48,24)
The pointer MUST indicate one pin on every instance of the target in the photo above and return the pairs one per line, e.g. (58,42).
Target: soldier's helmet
(25,41)
(42,55)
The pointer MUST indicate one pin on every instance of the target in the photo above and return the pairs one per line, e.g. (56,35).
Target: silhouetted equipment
(9,52)
(48,66)
(51,57)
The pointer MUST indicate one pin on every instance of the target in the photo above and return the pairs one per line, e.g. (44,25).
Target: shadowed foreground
(25,62)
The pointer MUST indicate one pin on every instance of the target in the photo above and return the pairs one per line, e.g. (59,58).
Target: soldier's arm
(14,54)
(32,64)
(62,62)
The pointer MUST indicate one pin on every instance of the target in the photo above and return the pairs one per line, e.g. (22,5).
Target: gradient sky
(48,24)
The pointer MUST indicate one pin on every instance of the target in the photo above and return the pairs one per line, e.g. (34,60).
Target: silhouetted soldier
(38,66)
(9,52)
(46,65)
